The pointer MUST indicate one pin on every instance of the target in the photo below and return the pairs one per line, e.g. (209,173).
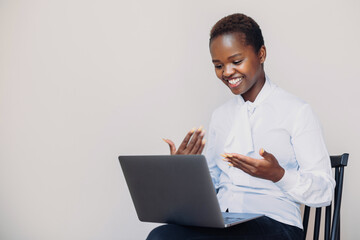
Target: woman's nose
(228,71)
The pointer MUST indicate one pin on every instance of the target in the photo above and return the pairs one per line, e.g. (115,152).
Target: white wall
(83,81)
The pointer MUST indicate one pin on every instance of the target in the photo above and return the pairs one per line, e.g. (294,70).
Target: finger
(184,143)
(242,158)
(203,142)
(232,162)
(198,143)
(242,165)
(245,163)
(171,145)
(225,159)
(265,154)
(194,139)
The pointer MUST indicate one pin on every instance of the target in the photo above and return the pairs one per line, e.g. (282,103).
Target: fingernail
(200,128)
(193,130)
(203,141)
(262,151)
(202,133)
(231,165)
(229,155)
(163,139)
(223,155)
(224,159)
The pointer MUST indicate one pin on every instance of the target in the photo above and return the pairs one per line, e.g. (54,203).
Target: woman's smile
(234,82)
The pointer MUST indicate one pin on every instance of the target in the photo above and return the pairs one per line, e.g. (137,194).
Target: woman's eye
(218,66)
(238,62)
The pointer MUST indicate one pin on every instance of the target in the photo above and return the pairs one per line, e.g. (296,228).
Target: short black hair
(239,23)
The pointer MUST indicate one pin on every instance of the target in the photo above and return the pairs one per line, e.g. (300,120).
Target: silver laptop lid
(172,189)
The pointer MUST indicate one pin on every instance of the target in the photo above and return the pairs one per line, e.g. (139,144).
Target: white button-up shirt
(284,126)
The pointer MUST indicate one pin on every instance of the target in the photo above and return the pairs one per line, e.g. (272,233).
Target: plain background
(83,81)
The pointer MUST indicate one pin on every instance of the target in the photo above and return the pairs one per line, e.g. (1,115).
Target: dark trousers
(257,229)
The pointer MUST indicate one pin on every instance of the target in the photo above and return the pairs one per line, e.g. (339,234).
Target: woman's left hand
(268,167)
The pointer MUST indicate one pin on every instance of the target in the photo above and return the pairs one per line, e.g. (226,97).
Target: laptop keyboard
(228,220)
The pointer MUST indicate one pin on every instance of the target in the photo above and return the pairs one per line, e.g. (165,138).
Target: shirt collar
(263,94)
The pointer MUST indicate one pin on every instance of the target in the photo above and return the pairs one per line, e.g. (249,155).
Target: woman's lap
(261,228)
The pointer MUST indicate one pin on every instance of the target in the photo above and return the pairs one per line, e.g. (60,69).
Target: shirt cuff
(288,181)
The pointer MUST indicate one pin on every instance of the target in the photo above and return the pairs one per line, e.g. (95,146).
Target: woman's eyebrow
(232,56)
(235,55)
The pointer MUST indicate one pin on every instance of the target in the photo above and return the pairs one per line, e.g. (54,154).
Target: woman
(295,168)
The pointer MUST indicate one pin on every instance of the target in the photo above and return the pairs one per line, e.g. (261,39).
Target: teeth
(236,80)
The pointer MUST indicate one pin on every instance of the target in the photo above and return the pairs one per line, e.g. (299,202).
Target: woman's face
(237,65)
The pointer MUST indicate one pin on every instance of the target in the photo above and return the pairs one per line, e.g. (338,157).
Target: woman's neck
(254,91)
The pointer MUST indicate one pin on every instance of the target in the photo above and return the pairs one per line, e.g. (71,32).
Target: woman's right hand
(193,143)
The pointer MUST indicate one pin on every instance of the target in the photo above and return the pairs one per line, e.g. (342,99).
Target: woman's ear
(262,54)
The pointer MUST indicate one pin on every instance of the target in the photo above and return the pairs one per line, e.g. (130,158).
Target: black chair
(332,228)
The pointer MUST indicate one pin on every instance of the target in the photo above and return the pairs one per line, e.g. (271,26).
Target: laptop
(176,189)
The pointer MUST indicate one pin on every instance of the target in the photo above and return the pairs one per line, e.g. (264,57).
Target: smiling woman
(294,169)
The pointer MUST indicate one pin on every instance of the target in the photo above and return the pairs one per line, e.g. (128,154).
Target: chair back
(332,218)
